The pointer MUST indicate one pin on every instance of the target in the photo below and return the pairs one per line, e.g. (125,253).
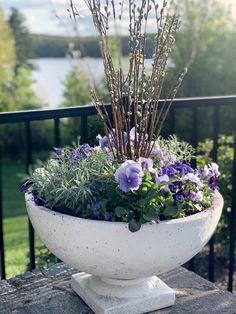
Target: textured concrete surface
(49,292)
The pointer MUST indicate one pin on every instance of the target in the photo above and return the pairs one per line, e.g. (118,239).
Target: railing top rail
(45,114)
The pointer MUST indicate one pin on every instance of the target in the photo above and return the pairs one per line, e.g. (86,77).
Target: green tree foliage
(21,35)
(208,29)
(16,92)
(77,85)
(77,88)
(7,50)
(15,86)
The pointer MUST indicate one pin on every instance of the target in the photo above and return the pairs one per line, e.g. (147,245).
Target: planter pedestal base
(115,296)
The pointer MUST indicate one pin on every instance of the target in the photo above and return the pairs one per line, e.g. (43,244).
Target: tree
(7,50)
(22,38)
(77,88)
(213,70)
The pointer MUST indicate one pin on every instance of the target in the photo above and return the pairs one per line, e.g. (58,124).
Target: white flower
(191,177)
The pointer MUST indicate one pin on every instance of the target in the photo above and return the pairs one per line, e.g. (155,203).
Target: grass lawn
(15,222)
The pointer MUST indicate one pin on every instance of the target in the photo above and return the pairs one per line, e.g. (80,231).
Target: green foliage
(213,70)
(175,147)
(43,257)
(66,183)
(7,52)
(78,85)
(17,93)
(81,181)
(21,36)
(77,88)
(15,86)
(225,161)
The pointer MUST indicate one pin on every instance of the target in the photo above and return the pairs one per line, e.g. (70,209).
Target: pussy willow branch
(140,105)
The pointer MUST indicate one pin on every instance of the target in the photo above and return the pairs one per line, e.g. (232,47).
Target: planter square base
(145,295)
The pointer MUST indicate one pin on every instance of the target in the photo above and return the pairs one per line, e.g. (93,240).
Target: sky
(52,16)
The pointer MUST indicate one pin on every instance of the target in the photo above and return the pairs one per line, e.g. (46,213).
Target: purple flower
(179,197)
(146,163)
(196,196)
(59,152)
(132,134)
(169,171)
(213,183)
(214,170)
(183,167)
(95,209)
(191,177)
(74,155)
(24,187)
(162,179)
(38,200)
(175,186)
(103,141)
(129,176)
(85,150)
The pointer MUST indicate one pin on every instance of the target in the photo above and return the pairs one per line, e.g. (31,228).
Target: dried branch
(134,99)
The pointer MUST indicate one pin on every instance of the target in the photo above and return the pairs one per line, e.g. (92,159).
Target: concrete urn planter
(120,267)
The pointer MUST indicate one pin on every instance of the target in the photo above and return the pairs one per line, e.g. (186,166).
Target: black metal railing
(193,104)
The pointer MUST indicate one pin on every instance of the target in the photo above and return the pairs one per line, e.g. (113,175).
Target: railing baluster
(57,141)
(211,259)
(57,135)
(84,128)
(28,163)
(172,120)
(232,217)
(194,141)
(2,252)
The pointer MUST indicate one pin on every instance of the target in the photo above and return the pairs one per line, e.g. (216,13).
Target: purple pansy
(102,141)
(182,167)
(179,197)
(196,196)
(59,151)
(175,186)
(169,171)
(162,179)
(191,177)
(129,176)
(95,209)
(146,163)
(38,200)
(214,170)
(24,187)
(214,183)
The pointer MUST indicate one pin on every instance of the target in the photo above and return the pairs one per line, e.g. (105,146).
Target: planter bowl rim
(217,198)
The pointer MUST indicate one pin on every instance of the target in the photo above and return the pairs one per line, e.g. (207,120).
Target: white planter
(109,250)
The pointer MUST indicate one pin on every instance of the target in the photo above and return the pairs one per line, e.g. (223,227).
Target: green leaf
(170,210)
(120,211)
(148,176)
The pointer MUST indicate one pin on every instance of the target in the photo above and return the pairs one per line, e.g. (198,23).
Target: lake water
(50,74)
